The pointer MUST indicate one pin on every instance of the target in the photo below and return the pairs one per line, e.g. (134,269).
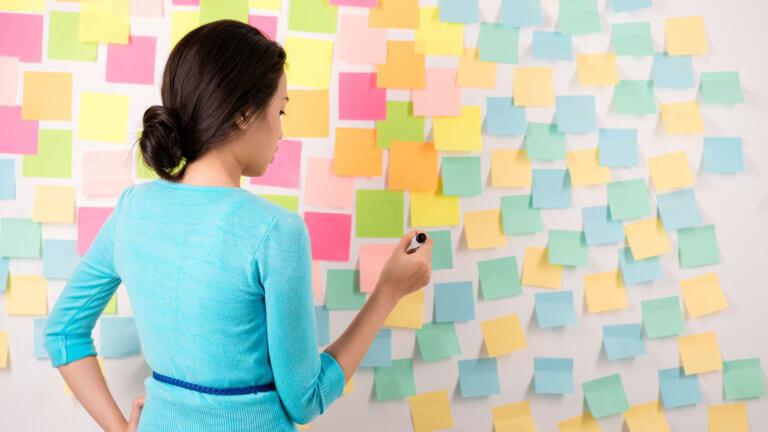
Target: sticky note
(39,327)
(518,13)
(47,96)
(597,69)
(356,153)
(285,169)
(342,290)
(395,14)
(408,312)
(630,5)
(483,229)
(576,114)
(26,294)
(431,411)
(599,228)
(380,351)
(533,86)
(699,353)
(360,98)
(317,16)
(728,417)
(89,223)
(503,335)
(518,215)
(214,10)
(499,278)
(21,135)
(647,417)
(359,3)
(638,271)
(516,417)
(440,96)
(698,246)
(309,62)
(555,309)
(459,11)
(672,71)
(106,173)
(503,117)
(289,202)
(22,36)
(478,377)
(678,209)
(105,21)
(628,199)
(617,147)
(182,22)
(567,247)
(551,188)
(473,72)
(23,5)
(20,237)
(722,155)
(647,238)
(584,168)
(685,35)
(395,381)
(742,379)
(670,171)
(538,272)
(678,389)
(662,317)
(265,23)
(63,40)
(682,117)
(372,260)
(721,87)
(498,43)
(703,295)
(54,204)
(454,301)
(103,117)
(581,423)
(432,208)
(400,125)
(552,46)
(4,344)
(404,69)
(379,213)
(7,179)
(434,37)
(324,189)
(632,38)
(323,327)
(579,17)
(552,375)
(459,133)
(462,175)
(544,141)
(605,396)
(132,63)
(329,235)
(442,249)
(437,341)
(510,168)
(307,115)
(605,291)
(119,337)
(4,270)
(623,340)
(9,80)
(413,166)
(635,97)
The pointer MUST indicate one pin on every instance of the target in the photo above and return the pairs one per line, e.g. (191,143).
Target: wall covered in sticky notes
(591,173)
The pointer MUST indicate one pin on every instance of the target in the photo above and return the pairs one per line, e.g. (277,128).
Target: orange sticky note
(395,14)
(670,171)
(26,295)
(54,204)
(532,86)
(646,417)
(605,291)
(581,423)
(516,417)
(106,173)
(475,73)
(372,260)
(503,335)
(682,117)
(412,166)
(434,37)
(408,312)
(685,35)
(510,168)
(584,168)
(597,69)
(538,272)
(323,188)
(404,69)
(431,411)
(306,114)
(47,96)
(483,229)
(432,208)
(731,417)
(647,238)
(356,154)
(703,295)
(460,133)
(699,353)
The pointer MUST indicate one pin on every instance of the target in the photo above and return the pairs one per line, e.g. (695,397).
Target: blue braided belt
(213,390)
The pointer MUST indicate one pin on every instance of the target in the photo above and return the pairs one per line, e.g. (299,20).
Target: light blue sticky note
(479,377)
(617,147)
(498,43)
(380,351)
(7,179)
(723,155)
(551,188)
(576,114)
(632,38)
(503,118)
(553,375)
(623,340)
(544,141)
(454,301)
(459,11)
(517,13)
(119,337)
(678,389)
(678,209)
(672,71)
(638,271)
(555,309)
(598,226)
(323,325)
(4,270)
(629,5)
(39,350)
(552,46)
(60,258)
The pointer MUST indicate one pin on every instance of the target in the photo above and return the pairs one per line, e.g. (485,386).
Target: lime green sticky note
(662,317)
(628,199)
(697,246)
(544,141)
(742,379)
(54,155)
(20,238)
(63,40)
(111,307)
(579,17)
(342,289)
(567,247)
(518,216)
(499,278)
(442,249)
(396,381)
(632,38)
(462,176)
(214,10)
(312,16)
(400,125)
(289,202)
(605,396)
(635,97)
(379,213)
(721,87)
(437,341)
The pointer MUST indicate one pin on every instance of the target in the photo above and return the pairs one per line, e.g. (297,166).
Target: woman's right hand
(404,272)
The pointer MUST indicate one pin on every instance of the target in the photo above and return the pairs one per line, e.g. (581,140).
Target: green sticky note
(214,10)
(54,155)
(721,87)
(518,216)
(396,381)
(567,247)
(579,17)
(379,213)
(498,43)
(499,278)
(20,238)
(437,341)
(697,246)
(742,379)
(63,40)
(289,202)
(462,176)
(342,290)
(632,38)
(628,199)
(662,317)
(111,307)
(442,249)
(635,97)
(605,396)
(544,141)
(312,16)
(400,125)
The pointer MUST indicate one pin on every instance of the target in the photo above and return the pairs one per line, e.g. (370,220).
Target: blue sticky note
(552,46)
(576,114)
(323,325)
(380,351)
(723,155)
(678,209)
(629,5)
(623,340)
(478,377)
(672,71)
(7,179)
(678,389)
(4,270)
(60,258)
(459,11)
(119,337)
(454,301)
(503,117)
(555,309)
(598,226)
(553,375)
(637,271)
(39,351)
(617,147)
(551,188)
(517,13)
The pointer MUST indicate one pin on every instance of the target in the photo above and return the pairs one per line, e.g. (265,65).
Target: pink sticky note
(329,234)
(267,24)
(19,136)
(322,188)
(147,8)
(89,222)
(359,98)
(359,43)
(284,171)
(9,80)
(132,63)
(106,173)
(317,283)
(187,2)
(440,95)
(360,3)
(21,35)
(372,260)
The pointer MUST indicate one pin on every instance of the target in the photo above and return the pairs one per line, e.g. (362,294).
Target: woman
(219,279)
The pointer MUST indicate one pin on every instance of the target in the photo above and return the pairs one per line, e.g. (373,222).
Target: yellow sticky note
(703,295)
(306,114)
(670,171)
(434,37)
(685,35)
(264,4)
(103,117)
(68,390)
(538,272)
(47,96)
(730,417)
(432,208)
(104,21)
(483,229)
(647,238)
(459,133)
(23,5)
(408,312)
(4,350)
(349,387)
(26,295)
(111,307)
(503,335)
(309,62)
(584,168)
(682,117)
(699,353)
(597,69)
(605,291)
(581,423)
(475,73)
(516,417)
(510,168)
(533,86)
(182,22)
(54,204)
(431,411)
(647,417)
(355,153)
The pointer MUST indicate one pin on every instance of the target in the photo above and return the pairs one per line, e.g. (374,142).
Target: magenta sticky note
(19,136)
(323,188)
(267,24)
(89,222)
(21,35)
(359,98)
(132,63)
(372,260)
(360,3)
(440,95)
(285,170)
(329,234)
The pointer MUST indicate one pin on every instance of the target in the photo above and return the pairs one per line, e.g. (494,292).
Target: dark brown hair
(217,74)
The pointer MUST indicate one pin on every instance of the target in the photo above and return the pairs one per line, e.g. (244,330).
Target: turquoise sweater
(220,283)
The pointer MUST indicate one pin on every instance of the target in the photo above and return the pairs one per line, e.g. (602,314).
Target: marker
(416,242)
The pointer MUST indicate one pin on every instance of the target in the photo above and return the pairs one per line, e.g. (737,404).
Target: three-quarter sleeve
(307,382)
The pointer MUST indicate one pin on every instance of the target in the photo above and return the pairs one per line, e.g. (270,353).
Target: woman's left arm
(86,381)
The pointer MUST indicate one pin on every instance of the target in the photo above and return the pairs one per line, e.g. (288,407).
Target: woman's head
(224,84)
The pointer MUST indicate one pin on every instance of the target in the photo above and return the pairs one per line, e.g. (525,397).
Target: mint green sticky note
(400,125)
(518,216)
(342,290)
(312,16)
(214,10)
(544,141)
(396,381)
(63,40)
(567,247)
(437,341)
(578,17)
(54,155)
(632,38)
(628,199)
(289,202)
(721,87)
(662,317)
(499,278)
(379,213)
(498,43)
(462,176)
(20,238)
(442,249)
(635,97)
(697,246)
(605,396)
(742,379)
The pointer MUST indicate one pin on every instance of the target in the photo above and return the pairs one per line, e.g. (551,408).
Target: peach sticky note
(408,312)
(402,14)
(404,69)
(538,272)
(510,168)
(412,166)
(9,80)
(605,291)
(372,260)
(533,86)
(132,63)
(360,98)
(89,222)
(646,417)
(682,117)
(317,283)
(306,114)
(670,171)
(21,36)
(483,229)
(4,344)
(26,295)
(685,35)
(703,295)
(146,9)
(699,353)
(731,417)
(329,235)
(440,96)
(432,208)
(359,43)
(106,173)
(597,69)
(515,417)
(434,37)
(431,411)
(584,168)
(54,204)
(475,73)
(104,21)
(323,188)
(285,169)
(647,238)
(503,335)
(309,62)
(459,133)
(47,96)
(103,117)
(356,153)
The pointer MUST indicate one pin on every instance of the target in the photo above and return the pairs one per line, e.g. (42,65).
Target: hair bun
(160,144)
